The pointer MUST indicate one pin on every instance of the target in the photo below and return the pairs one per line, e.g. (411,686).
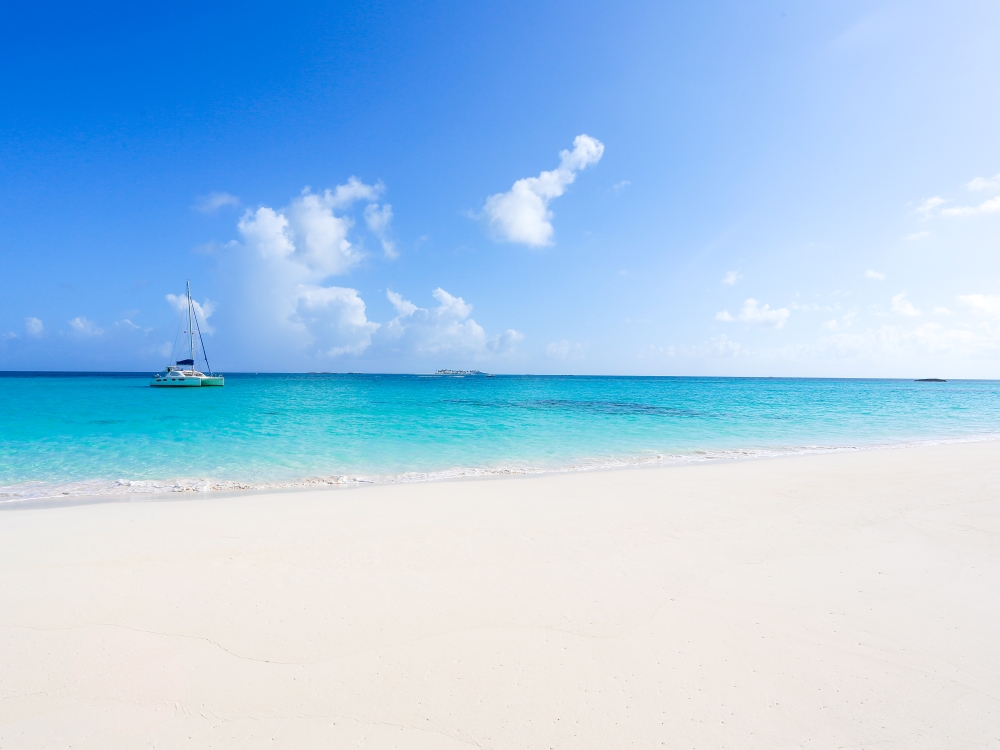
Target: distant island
(462,372)
(930,380)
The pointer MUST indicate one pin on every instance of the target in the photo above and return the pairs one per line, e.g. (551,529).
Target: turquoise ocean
(65,435)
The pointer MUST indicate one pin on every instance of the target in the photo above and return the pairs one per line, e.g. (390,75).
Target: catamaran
(182,373)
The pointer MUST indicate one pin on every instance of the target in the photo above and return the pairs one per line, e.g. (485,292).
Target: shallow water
(82,434)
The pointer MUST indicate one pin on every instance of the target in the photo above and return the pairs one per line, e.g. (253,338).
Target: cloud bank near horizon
(283,267)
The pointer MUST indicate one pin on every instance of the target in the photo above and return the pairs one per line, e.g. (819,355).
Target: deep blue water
(87,433)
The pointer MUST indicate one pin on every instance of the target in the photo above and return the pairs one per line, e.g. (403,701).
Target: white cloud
(307,230)
(873,274)
(351,191)
(446,328)
(719,346)
(204,310)
(986,207)
(620,185)
(980,183)
(129,325)
(85,327)
(320,236)
(267,232)
(894,341)
(522,214)
(930,204)
(755,313)
(279,270)
(378,222)
(731,277)
(984,304)
(830,325)
(918,235)
(33,327)
(902,306)
(214,201)
(281,299)
(9,335)
(403,307)
(335,316)
(565,350)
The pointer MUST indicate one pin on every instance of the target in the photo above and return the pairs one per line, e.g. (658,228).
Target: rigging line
(204,353)
(173,349)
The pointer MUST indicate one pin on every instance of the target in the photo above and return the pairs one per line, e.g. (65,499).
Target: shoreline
(844,599)
(117,491)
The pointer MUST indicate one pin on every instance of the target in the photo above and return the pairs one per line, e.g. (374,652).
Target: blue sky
(773,188)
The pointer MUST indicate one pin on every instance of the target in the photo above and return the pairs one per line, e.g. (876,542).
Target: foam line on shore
(28,491)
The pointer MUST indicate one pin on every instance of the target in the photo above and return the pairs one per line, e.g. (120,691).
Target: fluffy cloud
(716,346)
(871,273)
(378,218)
(932,338)
(336,318)
(209,204)
(731,277)
(280,297)
(204,309)
(352,191)
(286,256)
(33,327)
(308,231)
(320,236)
(986,207)
(266,232)
(980,183)
(757,314)
(447,328)
(984,304)
(405,308)
(522,214)
(930,204)
(84,327)
(902,306)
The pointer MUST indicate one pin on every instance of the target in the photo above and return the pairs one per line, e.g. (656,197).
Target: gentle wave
(124,487)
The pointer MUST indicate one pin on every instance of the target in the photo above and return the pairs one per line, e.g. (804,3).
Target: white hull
(185,379)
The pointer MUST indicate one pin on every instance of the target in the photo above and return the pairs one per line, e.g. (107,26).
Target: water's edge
(29,493)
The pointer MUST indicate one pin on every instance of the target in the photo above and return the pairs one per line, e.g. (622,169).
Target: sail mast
(190,323)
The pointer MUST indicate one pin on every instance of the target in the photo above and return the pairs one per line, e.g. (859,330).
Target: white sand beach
(833,601)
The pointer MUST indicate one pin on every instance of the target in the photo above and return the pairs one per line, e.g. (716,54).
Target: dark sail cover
(186,362)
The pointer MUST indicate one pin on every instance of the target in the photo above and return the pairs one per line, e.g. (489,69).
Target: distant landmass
(930,380)
(461,372)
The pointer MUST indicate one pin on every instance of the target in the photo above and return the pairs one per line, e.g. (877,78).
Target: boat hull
(186,381)
(176,382)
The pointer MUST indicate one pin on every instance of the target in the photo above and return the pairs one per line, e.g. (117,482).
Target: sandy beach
(833,601)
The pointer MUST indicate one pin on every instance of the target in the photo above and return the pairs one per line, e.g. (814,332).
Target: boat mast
(190,324)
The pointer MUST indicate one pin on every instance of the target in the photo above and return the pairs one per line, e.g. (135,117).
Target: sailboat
(182,374)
